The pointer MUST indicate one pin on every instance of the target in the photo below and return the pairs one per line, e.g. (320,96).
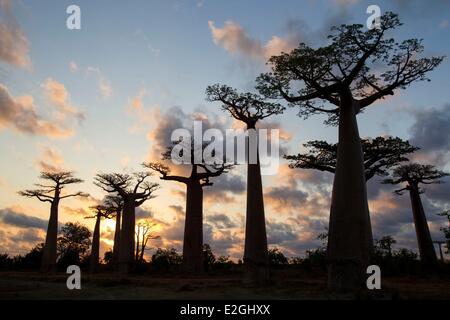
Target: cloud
(141,34)
(50,159)
(104,85)
(73,67)
(285,197)
(57,94)
(235,40)
(278,232)
(430,132)
(14,44)
(221,221)
(19,113)
(21,220)
(30,236)
(143,213)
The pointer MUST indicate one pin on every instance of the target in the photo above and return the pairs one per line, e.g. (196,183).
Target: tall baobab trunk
(95,251)
(426,248)
(49,254)
(116,246)
(126,252)
(255,250)
(350,240)
(193,228)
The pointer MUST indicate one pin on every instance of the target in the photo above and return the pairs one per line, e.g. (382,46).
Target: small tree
(208,257)
(250,109)
(276,257)
(52,193)
(100,211)
(413,175)
(73,244)
(357,68)
(380,155)
(163,259)
(134,190)
(385,244)
(200,176)
(143,235)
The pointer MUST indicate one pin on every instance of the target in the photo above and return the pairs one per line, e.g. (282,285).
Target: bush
(276,257)
(165,259)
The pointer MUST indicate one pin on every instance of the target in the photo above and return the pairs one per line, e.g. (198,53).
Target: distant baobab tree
(250,108)
(143,235)
(134,190)
(357,68)
(115,202)
(52,193)
(380,154)
(199,178)
(413,175)
(100,211)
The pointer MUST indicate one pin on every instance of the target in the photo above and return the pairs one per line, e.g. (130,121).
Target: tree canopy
(360,64)
(414,174)
(380,154)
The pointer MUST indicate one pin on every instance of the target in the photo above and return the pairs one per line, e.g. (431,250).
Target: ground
(31,285)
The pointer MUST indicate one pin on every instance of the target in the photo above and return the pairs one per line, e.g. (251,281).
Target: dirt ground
(31,285)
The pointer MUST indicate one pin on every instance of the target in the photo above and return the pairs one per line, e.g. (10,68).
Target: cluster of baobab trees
(351,73)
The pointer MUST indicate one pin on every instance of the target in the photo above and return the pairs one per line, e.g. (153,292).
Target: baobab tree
(356,69)
(200,175)
(380,154)
(100,211)
(413,175)
(115,202)
(143,235)
(134,190)
(250,108)
(53,193)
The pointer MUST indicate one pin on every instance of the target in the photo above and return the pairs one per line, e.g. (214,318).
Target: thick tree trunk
(256,261)
(426,247)
(126,253)
(49,255)
(95,251)
(193,228)
(350,240)
(116,246)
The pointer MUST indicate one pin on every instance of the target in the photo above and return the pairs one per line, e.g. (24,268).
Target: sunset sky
(107,97)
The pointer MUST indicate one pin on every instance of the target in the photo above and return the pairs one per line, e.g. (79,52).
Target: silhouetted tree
(200,176)
(413,175)
(358,67)
(250,108)
(108,257)
(385,244)
(52,193)
(115,202)
(143,235)
(208,257)
(134,190)
(73,244)
(162,259)
(276,257)
(100,211)
(380,154)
